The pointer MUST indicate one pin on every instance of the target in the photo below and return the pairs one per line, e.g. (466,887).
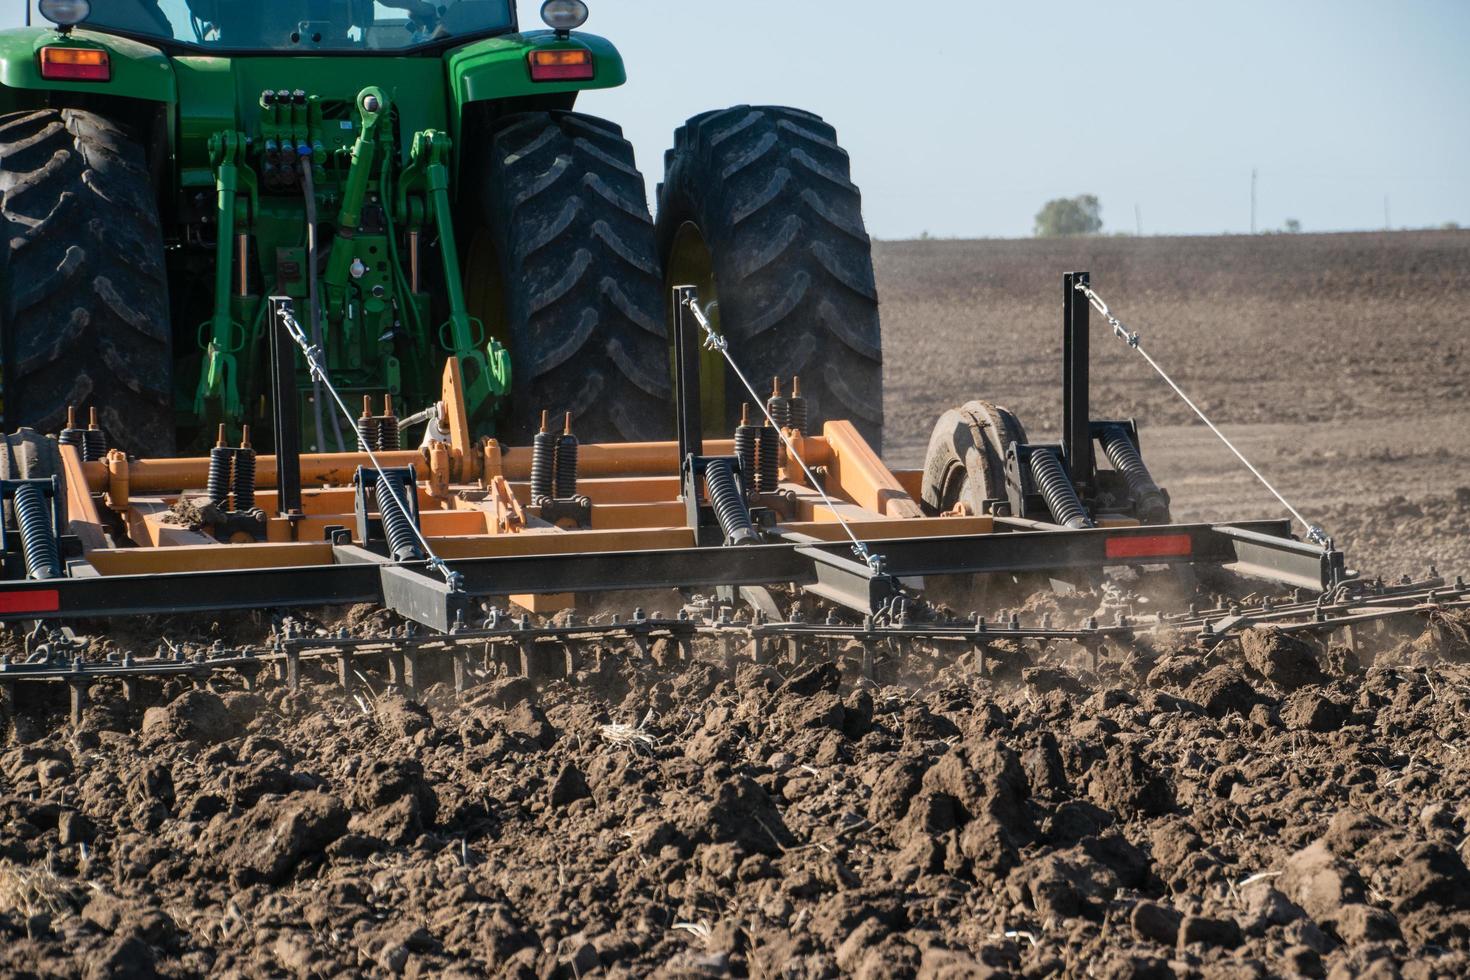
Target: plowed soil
(1271,808)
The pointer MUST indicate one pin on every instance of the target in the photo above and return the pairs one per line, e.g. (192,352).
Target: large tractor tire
(83,295)
(758,210)
(966,463)
(567,229)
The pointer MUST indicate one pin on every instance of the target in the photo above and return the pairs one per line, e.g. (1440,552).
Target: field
(1274,807)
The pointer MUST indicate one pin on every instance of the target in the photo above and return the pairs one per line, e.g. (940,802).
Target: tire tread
(84,309)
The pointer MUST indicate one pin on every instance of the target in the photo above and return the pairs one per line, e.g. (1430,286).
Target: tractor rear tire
(567,210)
(763,196)
(84,307)
(966,463)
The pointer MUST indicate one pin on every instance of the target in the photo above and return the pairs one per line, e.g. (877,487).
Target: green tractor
(415,177)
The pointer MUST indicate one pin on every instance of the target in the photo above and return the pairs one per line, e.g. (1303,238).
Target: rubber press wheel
(83,294)
(966,462)
(758,211)
(566,228)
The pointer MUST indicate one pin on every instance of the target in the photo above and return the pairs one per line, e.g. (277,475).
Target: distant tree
(1450,226)
(1080,215)
(1293,226)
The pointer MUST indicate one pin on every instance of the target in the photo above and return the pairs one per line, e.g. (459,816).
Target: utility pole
(1253,201)
(1387,223)
(1138,219)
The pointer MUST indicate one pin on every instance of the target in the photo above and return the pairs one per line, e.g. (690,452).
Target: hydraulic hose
(308,187)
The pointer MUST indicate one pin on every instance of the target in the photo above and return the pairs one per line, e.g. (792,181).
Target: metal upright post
(686,375)
(283,396)
(1076,412)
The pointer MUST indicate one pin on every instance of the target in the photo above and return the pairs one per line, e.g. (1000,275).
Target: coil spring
(747,441)
(94,445)
(768,472)
(1149,500)
(796,414)
(397,526)
(243,483)
(367,433)
(387,434)
(778,406)
(218,483)
(73,436)
(43,557)
(1054,485)
(543,464)
(566,467)
(724,497)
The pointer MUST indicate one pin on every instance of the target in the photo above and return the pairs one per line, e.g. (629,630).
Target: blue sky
(963,122)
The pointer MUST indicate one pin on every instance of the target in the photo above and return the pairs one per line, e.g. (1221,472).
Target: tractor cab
(315,26)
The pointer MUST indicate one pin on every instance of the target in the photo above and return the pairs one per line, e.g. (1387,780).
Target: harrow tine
(516,647)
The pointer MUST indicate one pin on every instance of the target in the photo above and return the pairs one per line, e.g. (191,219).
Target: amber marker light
(563,65)
(75,64)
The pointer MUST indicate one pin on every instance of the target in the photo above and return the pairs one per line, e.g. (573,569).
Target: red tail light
(75,65)
(564,65)
(1151,546)
(41,600)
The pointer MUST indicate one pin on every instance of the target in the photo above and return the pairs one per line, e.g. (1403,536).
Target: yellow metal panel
(552,542)
(857,473)
(545,604)
(208,558)
(881,530)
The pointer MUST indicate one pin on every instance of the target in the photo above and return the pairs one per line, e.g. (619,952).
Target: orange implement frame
(145,516)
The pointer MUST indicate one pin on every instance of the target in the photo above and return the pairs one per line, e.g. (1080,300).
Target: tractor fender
(497,68)
(139,71)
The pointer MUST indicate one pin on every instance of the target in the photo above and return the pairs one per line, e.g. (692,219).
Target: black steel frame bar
(358,574)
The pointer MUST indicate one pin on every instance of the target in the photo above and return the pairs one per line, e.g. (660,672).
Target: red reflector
(75,64)
(567,65)
(1153,546)
(42,600)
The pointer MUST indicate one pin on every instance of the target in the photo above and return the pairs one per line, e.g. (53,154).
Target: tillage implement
(335,301)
